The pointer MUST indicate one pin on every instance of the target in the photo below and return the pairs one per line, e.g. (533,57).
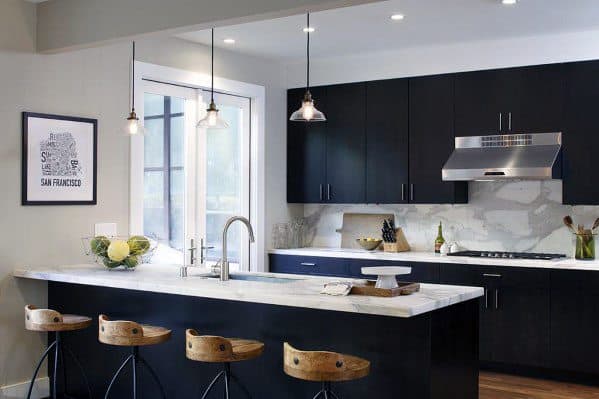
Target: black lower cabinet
(514,314)
(575,321)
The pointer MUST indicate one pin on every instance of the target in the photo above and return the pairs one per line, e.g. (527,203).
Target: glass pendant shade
(212,120)
(133,126)
(308,112)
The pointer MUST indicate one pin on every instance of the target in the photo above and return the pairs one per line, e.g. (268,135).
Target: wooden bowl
(369,245)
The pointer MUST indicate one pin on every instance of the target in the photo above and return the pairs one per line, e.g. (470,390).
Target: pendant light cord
(308,54)
(133,80)
(212,70)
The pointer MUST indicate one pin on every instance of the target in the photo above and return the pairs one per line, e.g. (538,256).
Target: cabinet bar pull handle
(307,264)
(491,275)
(496,298)
(320,192)
(486,298)
(328,192)
(411,192)
(510,121)
(500,120)
(403,191)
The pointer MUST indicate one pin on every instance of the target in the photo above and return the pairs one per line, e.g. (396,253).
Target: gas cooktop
(507,255)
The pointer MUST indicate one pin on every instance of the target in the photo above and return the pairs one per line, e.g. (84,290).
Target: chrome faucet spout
(224,265)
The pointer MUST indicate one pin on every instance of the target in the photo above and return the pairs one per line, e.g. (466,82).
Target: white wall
(459,57)
(93,83)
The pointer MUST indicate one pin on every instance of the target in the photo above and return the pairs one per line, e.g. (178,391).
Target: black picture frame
(25,157)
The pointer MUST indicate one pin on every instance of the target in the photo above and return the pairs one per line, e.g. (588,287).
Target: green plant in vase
(585,239)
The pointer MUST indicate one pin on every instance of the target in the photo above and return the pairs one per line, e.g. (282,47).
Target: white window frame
(256,94)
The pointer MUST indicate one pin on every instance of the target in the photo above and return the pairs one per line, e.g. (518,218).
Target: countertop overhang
(304,292)
(430,257)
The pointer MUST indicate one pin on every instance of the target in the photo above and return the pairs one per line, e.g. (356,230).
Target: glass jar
(280,236)
(585,246)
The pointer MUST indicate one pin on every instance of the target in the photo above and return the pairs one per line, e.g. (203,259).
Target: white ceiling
(368,28)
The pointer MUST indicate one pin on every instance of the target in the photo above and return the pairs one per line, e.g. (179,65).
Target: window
(164,179)
(195,179)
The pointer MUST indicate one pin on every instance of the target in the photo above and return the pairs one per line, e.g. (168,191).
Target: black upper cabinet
(432,141)
(514,100)
(580,136)
(306,151)
(387,158)
(479,100)
(536,104)
(345,143)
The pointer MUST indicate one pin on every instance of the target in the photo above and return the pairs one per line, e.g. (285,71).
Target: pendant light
(308,112)
(133,127)
(212,120)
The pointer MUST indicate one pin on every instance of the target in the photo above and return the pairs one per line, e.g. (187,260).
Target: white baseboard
(41,389)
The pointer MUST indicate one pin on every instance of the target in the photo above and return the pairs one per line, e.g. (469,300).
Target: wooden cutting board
(361,225)
(369,289)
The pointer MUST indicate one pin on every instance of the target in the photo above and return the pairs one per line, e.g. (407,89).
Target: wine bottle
(439,241)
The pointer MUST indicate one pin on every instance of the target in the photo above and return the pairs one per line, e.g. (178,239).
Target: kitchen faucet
(223,267)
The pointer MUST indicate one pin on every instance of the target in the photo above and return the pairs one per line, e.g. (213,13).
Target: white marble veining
(303,291)
(523,216)
(431,257)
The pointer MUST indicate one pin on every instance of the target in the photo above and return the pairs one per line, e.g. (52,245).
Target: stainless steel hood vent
(503,157)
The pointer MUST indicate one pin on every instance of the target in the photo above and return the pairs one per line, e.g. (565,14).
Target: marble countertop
(301,291)
(430,257)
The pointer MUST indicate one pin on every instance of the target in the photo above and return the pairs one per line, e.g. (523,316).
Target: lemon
(118,250)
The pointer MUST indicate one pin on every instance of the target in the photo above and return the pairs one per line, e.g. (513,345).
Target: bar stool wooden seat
(48,320)
(215,349)
(133,335)
(324,367)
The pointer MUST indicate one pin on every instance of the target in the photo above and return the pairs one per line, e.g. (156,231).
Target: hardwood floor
(502,386)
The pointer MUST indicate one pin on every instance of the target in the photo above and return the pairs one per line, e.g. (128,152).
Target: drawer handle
(491,275)
(307,264)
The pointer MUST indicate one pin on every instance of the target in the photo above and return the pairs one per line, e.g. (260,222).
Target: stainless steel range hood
(502,157)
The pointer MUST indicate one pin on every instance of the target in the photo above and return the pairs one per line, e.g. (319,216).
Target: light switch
(105,229)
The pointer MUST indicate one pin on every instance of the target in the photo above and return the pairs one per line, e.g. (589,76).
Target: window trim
(188,79)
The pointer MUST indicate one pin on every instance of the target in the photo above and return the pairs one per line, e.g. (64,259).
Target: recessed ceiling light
(509,2)
(309,29)
(229,41)
(397,17)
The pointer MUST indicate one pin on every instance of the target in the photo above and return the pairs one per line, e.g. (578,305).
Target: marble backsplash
(510,216)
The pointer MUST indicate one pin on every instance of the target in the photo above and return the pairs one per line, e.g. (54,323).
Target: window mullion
(167,163)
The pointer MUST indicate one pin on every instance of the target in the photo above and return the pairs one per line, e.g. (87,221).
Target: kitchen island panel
(434,355)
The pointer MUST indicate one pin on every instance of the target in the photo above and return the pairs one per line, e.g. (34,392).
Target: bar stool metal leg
(39,365)
(116,375)
(152,374)
(78,364)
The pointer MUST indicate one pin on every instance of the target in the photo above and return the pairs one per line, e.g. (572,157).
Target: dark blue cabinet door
(432,141)
(311,265)
(306,150)
(346,143)
(574,320)
(387,141)
(580,137)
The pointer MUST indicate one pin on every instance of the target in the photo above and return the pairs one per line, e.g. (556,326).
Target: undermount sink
(250,277)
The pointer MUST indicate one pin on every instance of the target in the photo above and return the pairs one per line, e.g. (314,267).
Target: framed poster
(59,160)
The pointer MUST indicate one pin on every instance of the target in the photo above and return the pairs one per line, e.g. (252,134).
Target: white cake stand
(386,275)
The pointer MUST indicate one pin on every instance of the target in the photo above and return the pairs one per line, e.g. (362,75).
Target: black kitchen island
(428,354)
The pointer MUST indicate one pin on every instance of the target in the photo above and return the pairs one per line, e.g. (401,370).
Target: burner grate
(508,255)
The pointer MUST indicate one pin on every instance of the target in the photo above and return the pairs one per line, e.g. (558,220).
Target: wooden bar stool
(133,335)
(214,349)
(324,367)
(47,320)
